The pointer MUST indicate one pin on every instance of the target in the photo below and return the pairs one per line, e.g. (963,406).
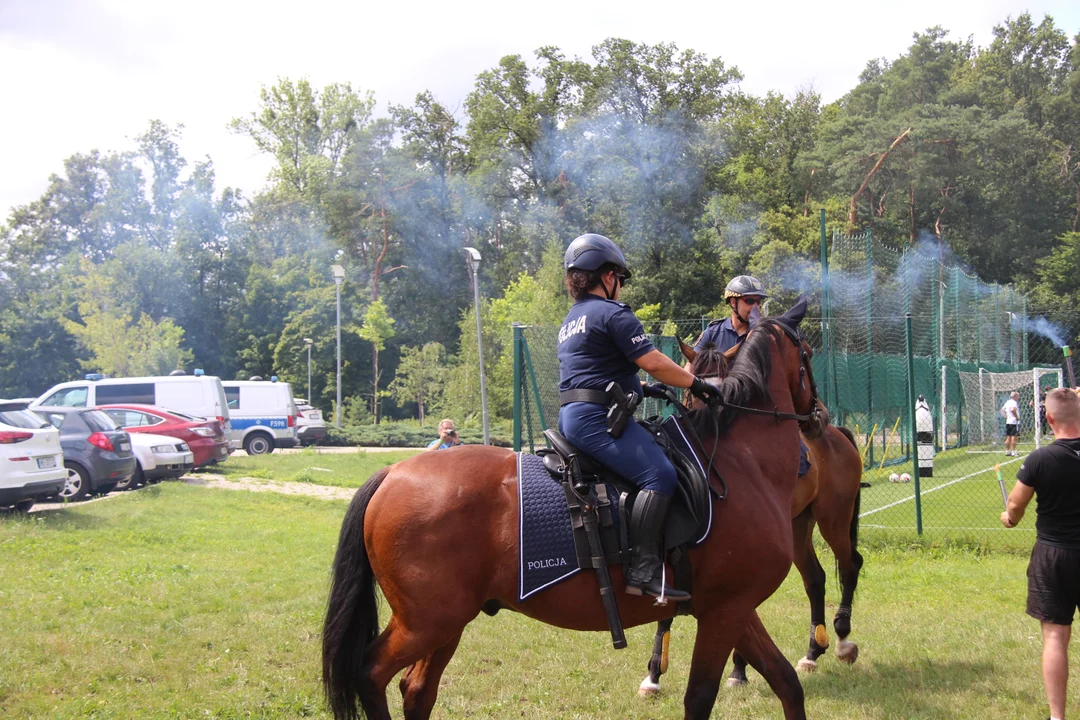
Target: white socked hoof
(806,665)
(648,688)
(735,682)
(847,652)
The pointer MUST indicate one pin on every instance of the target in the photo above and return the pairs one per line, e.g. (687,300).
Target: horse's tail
(849,435)
(352,613)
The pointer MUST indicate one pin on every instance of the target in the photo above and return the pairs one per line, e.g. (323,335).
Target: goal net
(985,394)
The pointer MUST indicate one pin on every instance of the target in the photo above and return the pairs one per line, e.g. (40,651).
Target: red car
(206,438)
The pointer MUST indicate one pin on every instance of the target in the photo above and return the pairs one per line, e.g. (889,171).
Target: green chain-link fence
(969,344)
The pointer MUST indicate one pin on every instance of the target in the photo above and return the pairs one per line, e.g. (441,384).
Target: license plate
(189,458)
(314,415)
(125,446)
(44,463)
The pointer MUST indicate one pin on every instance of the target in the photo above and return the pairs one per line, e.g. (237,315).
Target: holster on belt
(621,410)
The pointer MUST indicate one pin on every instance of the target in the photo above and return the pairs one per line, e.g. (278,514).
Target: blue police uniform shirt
(598,343)
(722,333)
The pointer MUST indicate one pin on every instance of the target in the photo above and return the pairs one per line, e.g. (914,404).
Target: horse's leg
(659,661)
(738,671)
(716,636)
(420,683)
(839,536)
(813,575)
(762,653)
(396,648)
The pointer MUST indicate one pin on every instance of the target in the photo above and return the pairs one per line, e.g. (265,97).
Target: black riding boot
(646,532)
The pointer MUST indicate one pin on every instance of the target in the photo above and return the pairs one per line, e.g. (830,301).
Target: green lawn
(183,602)
(960,502)
(337,469)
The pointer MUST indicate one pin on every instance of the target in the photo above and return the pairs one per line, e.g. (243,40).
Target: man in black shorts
(1052,475)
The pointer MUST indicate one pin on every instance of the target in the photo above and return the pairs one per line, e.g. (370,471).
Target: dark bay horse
(828,496)
(438,533)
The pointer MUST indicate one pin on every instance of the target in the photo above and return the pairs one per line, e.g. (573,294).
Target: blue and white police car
(263,415)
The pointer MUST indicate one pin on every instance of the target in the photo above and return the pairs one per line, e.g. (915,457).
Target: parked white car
(310,425)
(157,457)
(31,461)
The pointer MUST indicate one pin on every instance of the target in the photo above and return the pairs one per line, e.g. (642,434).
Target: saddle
(600,523)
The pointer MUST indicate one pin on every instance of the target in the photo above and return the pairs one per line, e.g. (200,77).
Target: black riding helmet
(590,251)
(745,285)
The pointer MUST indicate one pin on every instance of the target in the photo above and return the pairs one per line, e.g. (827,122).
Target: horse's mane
(747,380)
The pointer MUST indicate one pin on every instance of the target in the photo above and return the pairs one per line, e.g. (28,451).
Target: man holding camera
(448,436)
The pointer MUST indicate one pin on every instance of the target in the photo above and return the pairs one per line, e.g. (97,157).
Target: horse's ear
(795,313)
(688,352)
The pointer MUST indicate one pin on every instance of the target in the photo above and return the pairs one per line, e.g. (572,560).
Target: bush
(400,434)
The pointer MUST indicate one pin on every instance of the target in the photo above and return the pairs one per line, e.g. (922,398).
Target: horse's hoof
(806,665)
(648,688)
(847,652)
(735,682)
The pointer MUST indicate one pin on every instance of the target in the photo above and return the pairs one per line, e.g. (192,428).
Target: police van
(263,415)
(199,395)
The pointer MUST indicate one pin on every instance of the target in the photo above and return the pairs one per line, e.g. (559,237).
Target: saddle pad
(546,540)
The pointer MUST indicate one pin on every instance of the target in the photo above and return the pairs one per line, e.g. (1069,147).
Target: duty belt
(600,397)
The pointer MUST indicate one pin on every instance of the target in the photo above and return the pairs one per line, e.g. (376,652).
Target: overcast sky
(76,75)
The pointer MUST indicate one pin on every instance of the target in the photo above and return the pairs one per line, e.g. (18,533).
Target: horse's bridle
(806,371)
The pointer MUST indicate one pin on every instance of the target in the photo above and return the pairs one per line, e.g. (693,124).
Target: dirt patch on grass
(258,485)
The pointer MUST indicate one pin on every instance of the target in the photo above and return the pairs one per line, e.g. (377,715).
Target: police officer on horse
(744,294)
(602,346)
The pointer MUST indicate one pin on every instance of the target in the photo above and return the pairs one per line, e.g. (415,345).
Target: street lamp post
(309,342)
(473,260)
(339,276)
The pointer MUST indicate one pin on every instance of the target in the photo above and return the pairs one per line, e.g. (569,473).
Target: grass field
(337,469)
(186,602)
(960,502)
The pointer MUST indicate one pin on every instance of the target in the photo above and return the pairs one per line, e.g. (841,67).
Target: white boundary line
(944,527)
(934,489)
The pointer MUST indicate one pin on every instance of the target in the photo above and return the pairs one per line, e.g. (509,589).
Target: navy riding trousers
(634,456)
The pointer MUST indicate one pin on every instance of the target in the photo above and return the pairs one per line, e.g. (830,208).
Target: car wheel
(77,485)
(24,506)
(258,444)
(137,478)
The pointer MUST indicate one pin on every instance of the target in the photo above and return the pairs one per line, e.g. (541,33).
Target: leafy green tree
(123,347)
(378,327)
(421,377)
(308,131)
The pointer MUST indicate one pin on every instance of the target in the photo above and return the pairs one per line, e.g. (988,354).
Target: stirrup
(662,592)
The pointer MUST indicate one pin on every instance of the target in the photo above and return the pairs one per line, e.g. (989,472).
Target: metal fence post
(517,387)
(1025,332)
(870,335)
(535,389)
(911,422)
(825,307)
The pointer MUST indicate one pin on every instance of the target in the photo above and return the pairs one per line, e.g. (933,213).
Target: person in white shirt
(1011,412)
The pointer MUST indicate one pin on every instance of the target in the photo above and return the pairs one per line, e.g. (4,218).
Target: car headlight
(183,447)
(162,448)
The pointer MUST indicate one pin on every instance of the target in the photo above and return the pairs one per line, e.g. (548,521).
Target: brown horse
(439,534)
(828,496)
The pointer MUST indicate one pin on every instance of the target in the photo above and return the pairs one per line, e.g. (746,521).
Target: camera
(452,433)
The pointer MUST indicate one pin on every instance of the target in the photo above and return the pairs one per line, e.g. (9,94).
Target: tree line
(135,262)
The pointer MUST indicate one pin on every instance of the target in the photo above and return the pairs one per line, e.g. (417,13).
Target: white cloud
(90,74)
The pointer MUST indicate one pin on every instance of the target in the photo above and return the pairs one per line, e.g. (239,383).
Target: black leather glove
(709,393)
(660,391)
